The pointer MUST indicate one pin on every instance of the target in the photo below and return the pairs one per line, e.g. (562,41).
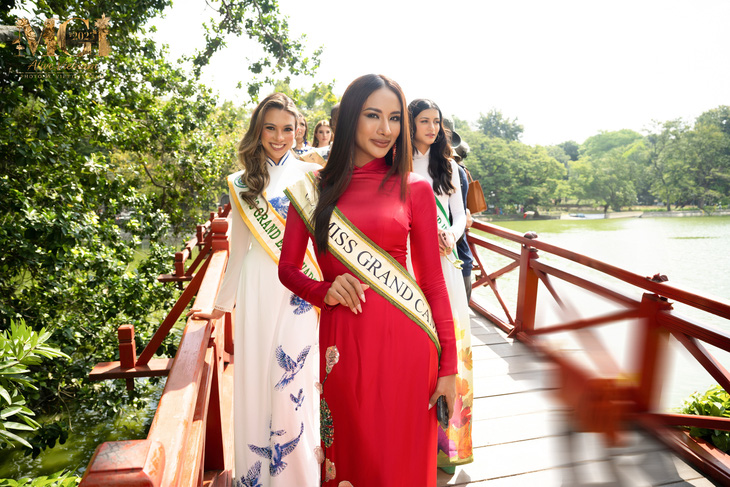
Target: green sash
(371,264)
(442,219)
(267,227)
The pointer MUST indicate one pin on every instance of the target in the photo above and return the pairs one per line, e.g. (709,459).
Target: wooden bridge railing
(604,393)
(201,240)
(188,443)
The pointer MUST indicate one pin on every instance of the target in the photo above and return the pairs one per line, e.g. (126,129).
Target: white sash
(366,259)
(266,226)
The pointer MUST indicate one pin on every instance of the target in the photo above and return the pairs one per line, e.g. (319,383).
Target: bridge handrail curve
(603,396)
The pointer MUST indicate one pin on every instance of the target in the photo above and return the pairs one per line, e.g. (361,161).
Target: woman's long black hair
(439,167)
(336,175)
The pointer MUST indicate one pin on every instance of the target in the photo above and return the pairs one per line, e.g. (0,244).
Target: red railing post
(127,351)
(199,236)
(653,340)
(527,290)
(219,231)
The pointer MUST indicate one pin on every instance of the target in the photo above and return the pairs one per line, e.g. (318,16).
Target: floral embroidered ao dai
(454,443)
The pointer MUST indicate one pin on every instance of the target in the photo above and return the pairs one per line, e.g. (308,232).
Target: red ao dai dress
(384,433)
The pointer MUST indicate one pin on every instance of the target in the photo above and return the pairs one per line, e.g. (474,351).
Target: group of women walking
(351,314)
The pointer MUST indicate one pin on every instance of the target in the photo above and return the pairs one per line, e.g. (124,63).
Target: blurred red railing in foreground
(604,395)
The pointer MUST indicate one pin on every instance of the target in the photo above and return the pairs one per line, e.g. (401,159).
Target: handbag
(475,201)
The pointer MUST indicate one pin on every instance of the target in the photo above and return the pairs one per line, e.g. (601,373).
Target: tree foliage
(676,163)
(511,173)
(261,21)
(494,124)
(315,104)
(99,171)
(20,348)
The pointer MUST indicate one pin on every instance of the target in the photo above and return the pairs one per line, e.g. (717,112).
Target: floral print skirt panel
(454,443)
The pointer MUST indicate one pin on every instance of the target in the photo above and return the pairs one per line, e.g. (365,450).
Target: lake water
(690,251)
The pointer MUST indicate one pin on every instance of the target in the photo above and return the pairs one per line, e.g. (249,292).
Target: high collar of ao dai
(281,162)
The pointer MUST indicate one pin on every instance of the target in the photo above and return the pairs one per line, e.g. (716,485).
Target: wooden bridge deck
(522,437)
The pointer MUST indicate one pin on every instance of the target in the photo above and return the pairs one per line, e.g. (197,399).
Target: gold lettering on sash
(371,264)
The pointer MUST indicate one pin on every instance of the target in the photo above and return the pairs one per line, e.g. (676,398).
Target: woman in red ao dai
(384,373)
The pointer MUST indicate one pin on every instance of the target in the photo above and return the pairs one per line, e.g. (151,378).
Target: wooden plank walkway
(522,437)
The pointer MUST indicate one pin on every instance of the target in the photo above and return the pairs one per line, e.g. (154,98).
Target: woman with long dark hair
(387,339)
(432,160)
(275,401)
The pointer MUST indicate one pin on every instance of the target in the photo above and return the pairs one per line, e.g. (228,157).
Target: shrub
(714,402)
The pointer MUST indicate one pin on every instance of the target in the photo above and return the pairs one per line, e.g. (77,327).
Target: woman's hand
(198,314)
(446,242)
(347,290)
(469,219)
(445,386)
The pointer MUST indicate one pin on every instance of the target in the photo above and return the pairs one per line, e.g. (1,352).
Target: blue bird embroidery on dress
(300,305)
(290,367)
(273,432)
(277,453)
(281,205)
(298,400)
(251,479)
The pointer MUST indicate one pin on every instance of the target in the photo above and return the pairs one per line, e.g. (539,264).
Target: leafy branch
(20,348)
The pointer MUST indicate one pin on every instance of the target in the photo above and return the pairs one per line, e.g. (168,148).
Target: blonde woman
(323,137)
(276,404)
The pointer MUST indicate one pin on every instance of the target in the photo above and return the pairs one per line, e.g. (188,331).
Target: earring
(394,151)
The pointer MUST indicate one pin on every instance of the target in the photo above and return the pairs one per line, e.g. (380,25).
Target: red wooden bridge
(542,372)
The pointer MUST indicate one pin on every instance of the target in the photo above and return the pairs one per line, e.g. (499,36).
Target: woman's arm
(239,245)
(294,247)
(427,269)
(346,289)
(456,203)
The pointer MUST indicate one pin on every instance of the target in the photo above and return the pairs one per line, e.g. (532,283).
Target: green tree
(608,179)
(604,142)
(720,117)
(571,148)
(666,168)
(260,20)
(140,137)
(494,124)
(707,158)
(512,173)
(20,348)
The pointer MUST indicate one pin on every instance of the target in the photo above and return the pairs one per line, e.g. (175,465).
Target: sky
(565,69)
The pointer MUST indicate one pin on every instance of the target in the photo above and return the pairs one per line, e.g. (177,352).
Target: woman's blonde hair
(251,154)
(322,123)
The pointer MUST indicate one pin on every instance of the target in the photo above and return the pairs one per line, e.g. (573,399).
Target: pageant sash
(442,219)
(371,264)
(266,226)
